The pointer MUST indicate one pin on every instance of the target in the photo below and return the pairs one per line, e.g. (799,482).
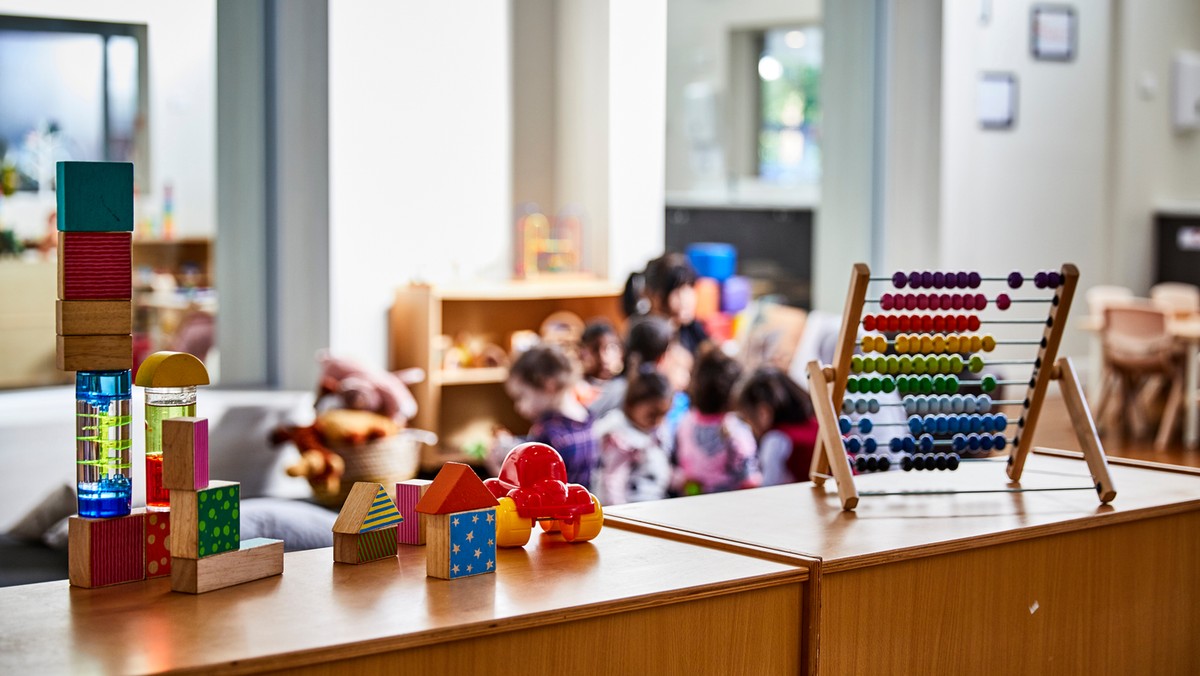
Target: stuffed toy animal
(320,445)
(356,387)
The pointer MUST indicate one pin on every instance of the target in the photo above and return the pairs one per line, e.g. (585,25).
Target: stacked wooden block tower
(206,546)
(94,319)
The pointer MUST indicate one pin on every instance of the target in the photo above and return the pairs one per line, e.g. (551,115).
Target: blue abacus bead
(999,442)
(959,442)
(985,442)
(977,423)
(872,405)
(1040,280)
(973,441)
(985,423)
(974,280)
(1015,280)
(952,461)
(943,423)
(844,424)
(914,424)
(896,444)
(854,444)
(860,406)
(899,280)
(864,425)
(929,424)
(870,445)
(984,403)
(958,404)
(1001,422)
(909,444)
(926,442)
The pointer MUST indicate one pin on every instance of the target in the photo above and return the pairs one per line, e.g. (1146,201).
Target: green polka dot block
(207,521)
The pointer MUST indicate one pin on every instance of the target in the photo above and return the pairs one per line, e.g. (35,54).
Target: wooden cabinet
(464,405)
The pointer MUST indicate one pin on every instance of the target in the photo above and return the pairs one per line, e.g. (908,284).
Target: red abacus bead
(1003,301)
(956,301)
(939,280)
(923,301)
(926,323)
(906,302)
(968,301)
(939,323)
(980,301)
(905,323)
(893,323)
(885,301)
(947,301)
(973,323)
(935,301)
(962,322)
(869,322)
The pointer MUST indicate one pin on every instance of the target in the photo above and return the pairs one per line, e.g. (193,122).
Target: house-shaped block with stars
(365,529)
(460,533)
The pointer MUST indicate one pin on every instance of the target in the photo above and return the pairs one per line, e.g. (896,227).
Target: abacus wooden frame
(827,384)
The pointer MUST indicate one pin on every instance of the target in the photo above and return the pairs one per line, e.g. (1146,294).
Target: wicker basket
(386,461)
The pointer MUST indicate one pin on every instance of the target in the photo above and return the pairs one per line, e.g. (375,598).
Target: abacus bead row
(940,301)
(938,323)
(927,384)
(929,461)
(1049,279)
(864,425)
(918,364)
(860,406)
(960,442)
(965,403)
(854,444)
(925,343)
(871,463)
(951,423)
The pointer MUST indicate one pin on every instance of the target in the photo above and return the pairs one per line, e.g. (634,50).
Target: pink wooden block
(412,530)
(200,446)
(185,454)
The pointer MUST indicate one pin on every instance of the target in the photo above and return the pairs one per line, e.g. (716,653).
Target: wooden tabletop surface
(803,519)
(318,610)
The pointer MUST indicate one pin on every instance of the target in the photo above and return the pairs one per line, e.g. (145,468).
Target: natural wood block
(461,544)
(103,552)
(364,547)
(95,196)
(94,317)
(368,507)
(253,560)
(95,353)
(95,266)
(158,552)
(408,493)
(185,453)
(205,522)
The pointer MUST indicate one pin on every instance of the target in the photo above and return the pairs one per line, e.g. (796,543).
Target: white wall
(420,167)
(182,65)
(1032,197)
(1152,163)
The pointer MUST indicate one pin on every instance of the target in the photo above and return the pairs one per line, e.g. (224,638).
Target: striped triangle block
(383,513)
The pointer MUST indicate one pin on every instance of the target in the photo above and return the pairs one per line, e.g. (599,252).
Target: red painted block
(158,556)
(95,266)
(106,551)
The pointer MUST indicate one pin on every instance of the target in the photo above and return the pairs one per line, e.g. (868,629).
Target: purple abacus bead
(956,301)
(1040,280)
(885,302)
(968,301)
(961,279)
(910,301)
(939,280)
(1003,301)
(914,280)
(980,301)
(1053,279)
(974,280)
(1015,280)
(923,301)
(951,280)
(927,280)
(899,280)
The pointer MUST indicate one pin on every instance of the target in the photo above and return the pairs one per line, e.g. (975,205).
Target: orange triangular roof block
(455,489)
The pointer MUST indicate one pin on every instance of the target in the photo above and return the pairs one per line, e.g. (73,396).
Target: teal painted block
(219,522)
(95,196)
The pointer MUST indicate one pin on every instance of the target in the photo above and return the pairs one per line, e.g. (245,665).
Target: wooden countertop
(318,610)
(803,519)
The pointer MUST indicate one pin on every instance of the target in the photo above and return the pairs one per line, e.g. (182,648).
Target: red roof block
(456,488)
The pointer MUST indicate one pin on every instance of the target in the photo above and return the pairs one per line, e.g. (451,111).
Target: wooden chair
(1176,298)
(1137,350)
(1098,298)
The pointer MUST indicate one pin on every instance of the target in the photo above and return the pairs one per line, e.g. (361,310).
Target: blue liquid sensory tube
(103,442)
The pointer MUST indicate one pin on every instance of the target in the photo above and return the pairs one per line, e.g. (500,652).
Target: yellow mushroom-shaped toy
(170,379)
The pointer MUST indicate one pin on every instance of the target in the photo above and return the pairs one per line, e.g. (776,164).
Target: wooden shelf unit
(464,405)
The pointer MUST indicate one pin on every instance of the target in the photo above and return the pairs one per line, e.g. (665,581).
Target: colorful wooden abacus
(918,346)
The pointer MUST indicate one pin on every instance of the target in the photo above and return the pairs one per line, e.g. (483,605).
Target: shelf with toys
(463,335)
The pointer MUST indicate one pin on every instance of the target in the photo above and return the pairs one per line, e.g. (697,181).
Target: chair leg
(1170,415)
(1106,390)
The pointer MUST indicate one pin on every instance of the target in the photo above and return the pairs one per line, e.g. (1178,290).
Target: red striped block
(102,552)
(411,531)
(95,266)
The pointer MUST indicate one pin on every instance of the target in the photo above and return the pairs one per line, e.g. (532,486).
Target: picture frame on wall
(997,101)
(1052,32)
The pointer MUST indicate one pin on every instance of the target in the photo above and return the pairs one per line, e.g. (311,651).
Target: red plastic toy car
(532,486)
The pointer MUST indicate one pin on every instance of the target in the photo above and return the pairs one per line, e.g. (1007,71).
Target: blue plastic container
(713,259)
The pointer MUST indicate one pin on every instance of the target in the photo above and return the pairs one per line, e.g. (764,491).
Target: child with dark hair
(714,450)
(601,356)
(634,463)
(665,289)
(781,415)
(541,384)
(650,343)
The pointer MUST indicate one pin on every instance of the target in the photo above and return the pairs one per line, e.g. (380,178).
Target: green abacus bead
(951,384)
(918,365)
(976,364)
(943,364)
(906,365)
(939,385)
(902,384)
(888,384)
(988,383)
(931,364)
(926,385)
(893,365)
(956,364)
(856,364)
(876,385)
(868,364)
(852,385)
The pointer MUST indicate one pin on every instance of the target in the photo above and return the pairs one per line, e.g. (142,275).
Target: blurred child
(601,357)
(666,289)
(541,384)
(650,342)
(781,415)
(634,463)
(714,450)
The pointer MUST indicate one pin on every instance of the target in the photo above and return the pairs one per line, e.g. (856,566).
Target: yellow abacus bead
(952,343)
(902,343)
(939,344)
(989,343)
(926,343)
(976,344)
(880,344)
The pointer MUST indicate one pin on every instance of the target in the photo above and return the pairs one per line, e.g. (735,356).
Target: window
(789,75)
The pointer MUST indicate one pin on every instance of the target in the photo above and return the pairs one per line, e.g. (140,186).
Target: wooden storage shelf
(464,405)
